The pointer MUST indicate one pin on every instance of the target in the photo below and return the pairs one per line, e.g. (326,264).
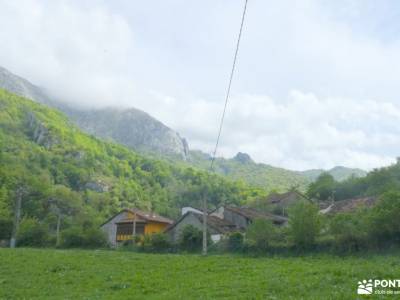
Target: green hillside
(241,167)
(269,178)
(339,173)
(49,160)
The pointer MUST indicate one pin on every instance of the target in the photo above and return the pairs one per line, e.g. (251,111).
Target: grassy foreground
(80,274)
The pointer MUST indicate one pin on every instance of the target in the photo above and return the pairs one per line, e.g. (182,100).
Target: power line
(228,92)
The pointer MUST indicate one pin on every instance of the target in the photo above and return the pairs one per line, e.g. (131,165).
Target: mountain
(339,173)
(242,167)
(43,152)
(22,87)
(140,131)
(130,127)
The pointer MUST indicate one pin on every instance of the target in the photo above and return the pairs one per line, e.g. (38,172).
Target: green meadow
(98,274)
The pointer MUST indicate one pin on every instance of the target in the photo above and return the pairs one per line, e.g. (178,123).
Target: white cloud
(303,132)
(316,82)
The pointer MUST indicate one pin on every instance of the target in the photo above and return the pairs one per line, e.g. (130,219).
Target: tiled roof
(253,214)
(275,198)
(349,205)
(151,216)
(218,224)
(146,216)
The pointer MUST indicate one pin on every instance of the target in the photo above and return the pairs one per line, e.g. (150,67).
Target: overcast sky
(317,82)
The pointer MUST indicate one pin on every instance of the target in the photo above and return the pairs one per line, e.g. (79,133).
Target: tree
(349,230)
(235,242)
(384,221)
(32,233)
(304,224)
(62,202)
(260,234)
(191,238)
(19,194)
(322,188)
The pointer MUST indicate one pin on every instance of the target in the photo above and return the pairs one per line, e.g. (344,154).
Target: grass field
(80,274)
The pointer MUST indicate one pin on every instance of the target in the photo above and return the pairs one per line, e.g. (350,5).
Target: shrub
(95,238)
(235,242)
(160,242)
(76,237)
(32,233)
(260,234)
(191,238)
(384,221)
(349,231)
(304,224)
(5,229)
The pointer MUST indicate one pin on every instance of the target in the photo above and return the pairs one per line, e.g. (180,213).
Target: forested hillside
(269,178)
(375,183)
(57,168)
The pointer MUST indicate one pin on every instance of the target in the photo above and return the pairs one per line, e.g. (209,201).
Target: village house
(348,205)
(216,226)
(221,221)
(129,222)
(282,201)
(242,217)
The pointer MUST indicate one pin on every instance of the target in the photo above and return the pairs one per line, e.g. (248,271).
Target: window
(126,229)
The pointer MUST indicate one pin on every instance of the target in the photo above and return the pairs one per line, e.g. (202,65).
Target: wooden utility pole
(134,226)
(204,225)
(17,217)
(58,239)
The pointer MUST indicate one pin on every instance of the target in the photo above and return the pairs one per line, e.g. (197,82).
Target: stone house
(216,226)
(242,217)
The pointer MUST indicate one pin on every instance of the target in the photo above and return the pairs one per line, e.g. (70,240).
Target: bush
(5,229)
(191,238)
(304,224)
(235,242)
(75,237)
(260,234)
(32,233)
(384,221)
(349,231)
(160,242)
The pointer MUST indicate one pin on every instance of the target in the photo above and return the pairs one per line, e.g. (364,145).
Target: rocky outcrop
(132,128)
(39,133)
(243,158)
(97,186)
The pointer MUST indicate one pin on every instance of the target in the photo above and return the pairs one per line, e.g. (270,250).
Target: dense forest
(67,178)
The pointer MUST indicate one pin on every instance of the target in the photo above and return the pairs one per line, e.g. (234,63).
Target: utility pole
(204,225)
(58,240)
(17,217)
(134,226)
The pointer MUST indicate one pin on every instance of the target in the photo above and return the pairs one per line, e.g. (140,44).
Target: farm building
(281,202)
(348,205)
(220,221)
(216,227)
(242,217)
(121,227)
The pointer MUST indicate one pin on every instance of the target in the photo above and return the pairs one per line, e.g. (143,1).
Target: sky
(316,84)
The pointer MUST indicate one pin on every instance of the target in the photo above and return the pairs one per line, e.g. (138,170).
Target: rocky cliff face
(133,128)
(22,87)
(130,127)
